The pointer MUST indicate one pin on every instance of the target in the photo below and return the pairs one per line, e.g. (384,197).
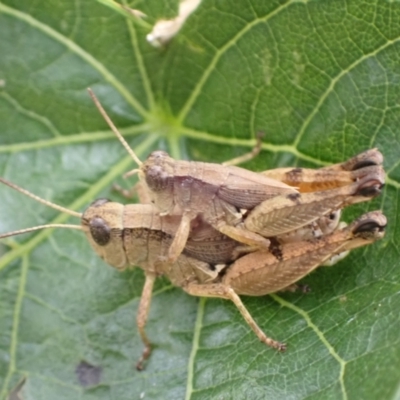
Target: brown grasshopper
(130,235)
(220,193)
(254,274)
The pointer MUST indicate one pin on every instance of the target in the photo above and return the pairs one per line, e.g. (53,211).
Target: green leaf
(322,79)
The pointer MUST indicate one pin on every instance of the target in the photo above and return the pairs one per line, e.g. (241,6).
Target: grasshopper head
(102,224)
(158,170)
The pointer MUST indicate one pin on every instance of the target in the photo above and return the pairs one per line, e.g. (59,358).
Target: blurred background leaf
(320,78)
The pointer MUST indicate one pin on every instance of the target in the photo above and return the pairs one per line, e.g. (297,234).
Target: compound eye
(100,231)
(99,202)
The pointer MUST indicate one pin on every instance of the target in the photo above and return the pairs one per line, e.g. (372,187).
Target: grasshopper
(135,234)
(257,273)
(220,193)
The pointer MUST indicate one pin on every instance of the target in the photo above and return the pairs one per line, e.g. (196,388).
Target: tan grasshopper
(254,274)
(130,235)
(220,193)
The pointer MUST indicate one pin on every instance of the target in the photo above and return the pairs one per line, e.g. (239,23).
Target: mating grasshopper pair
(262,211)
(208,219)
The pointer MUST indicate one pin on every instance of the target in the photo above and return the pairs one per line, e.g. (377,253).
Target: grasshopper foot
(127,193)
(282,347)
(145,355)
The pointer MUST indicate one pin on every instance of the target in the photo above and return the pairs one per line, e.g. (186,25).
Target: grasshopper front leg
(141,318)
(180,238)
(222,220)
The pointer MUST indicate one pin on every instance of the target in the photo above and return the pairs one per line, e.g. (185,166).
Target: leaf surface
(322,79)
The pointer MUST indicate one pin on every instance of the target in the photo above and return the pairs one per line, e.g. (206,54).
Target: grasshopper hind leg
(331,177)
(225,292)
(253,324)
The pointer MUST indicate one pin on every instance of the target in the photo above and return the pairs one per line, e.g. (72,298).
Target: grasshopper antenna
(39,199)
(115,130)
(45,202)
(38,228)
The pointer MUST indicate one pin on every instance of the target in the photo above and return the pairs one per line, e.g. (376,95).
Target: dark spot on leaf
(87,374)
